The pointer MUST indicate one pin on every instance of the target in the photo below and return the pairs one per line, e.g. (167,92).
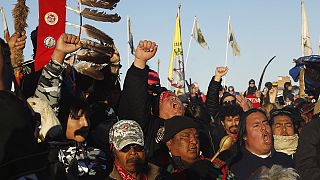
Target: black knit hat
(252,81)
(176,124)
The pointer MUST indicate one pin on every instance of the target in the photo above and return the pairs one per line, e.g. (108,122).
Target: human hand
(66,43)
(145,51)
(243,102)
(17,41)
(219,72)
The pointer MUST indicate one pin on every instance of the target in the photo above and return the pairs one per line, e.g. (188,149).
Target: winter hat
(252,81)
(153,78)
(176,124)
(268,85)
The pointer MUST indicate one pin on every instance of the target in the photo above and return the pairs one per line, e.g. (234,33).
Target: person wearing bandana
(127,145)
(284,132)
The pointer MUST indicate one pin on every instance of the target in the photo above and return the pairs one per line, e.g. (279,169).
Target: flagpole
(187,57)
(158,67)
(128,36)
(302,27)
(227,44)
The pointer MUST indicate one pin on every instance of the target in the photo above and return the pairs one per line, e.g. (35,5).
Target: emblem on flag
(51,18)
(49,42)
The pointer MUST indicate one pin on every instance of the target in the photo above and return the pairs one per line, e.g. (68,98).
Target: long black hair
(243,122)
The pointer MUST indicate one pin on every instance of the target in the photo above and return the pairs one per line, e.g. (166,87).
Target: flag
(197,34)
(233,42)
(305,39)
(176,69)
(130,37)
(52,21)
(5,26)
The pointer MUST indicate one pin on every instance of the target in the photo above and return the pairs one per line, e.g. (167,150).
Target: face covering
(286,144)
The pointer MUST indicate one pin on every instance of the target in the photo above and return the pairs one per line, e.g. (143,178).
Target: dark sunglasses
(136,147)
(233,102)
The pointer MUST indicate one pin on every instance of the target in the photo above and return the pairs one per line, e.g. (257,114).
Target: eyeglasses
(136,147)
(232,102)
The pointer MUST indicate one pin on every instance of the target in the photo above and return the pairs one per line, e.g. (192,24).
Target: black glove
(203,169)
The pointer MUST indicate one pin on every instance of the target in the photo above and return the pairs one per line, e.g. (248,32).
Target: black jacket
(307,157)
(135,104)
(247,163)
(212,100)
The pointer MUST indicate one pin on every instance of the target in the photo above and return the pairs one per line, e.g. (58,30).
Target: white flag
(198,36)
(233,42)
(305,39)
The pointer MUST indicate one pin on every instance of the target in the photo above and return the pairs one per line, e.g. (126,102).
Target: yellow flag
(176,69)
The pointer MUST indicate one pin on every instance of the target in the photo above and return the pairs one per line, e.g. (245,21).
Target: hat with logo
(125,132)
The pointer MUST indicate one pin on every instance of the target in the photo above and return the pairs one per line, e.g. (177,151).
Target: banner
(176,69)
(233,42)
(198,36)
(52,20)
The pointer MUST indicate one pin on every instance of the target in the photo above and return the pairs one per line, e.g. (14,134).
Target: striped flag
(176,69)
(233,42)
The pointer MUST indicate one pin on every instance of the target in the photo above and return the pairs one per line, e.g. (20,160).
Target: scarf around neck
(286,144)
(126,176)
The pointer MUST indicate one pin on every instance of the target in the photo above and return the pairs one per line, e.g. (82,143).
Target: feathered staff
(20,14)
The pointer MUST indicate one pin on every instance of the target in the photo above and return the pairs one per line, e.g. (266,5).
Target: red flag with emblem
(52,20)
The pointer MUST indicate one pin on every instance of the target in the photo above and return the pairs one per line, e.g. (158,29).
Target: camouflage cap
(125,132)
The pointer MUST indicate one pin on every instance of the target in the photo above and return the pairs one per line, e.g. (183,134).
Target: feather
(106,4)
(97,34)
(93,32)
(100,15)
(88,69)
(92,56)
(88,44)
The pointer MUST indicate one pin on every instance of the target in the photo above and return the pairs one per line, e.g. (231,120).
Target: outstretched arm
(49,84)
(212,101)
(134,98)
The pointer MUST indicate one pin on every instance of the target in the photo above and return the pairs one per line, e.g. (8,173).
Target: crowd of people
(74,126)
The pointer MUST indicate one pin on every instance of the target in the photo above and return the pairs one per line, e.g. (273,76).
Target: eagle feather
(92,56)
(97,34)
(88,44)
(100,15)
(106,4)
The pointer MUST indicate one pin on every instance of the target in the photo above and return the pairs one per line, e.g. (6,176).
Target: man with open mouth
(256,146)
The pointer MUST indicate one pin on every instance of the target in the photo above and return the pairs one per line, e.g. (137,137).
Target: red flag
(52,20)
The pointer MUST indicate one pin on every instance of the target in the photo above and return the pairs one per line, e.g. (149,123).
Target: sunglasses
(233,102)
(136,147)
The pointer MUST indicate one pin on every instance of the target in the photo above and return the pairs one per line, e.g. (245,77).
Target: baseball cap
(125,132)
